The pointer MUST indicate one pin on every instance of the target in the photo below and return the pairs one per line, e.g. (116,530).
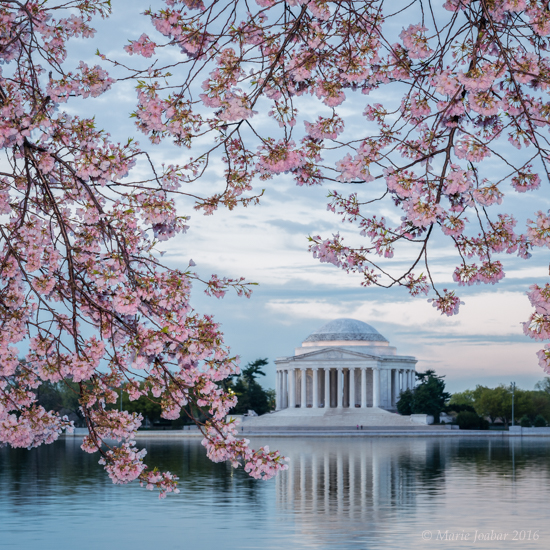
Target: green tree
(150,408)
(532,403)
(469,420)
(525,421)
(495,403)
(465,397)
(543,385)
(428,397)
(271,399)
(524,404)
(540,421)
(540,402)
(405,403)
(61,397)
(253,369)
(146,405)
(250,394)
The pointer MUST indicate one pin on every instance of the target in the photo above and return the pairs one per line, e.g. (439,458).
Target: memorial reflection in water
(350,480)
(394,489)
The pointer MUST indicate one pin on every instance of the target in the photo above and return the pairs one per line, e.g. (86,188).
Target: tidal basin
(339,493)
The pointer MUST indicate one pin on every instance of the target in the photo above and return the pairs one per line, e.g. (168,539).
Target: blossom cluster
(463,96)
(82,282)
(84,296)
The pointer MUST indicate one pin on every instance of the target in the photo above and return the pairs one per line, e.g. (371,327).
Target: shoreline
(184,434)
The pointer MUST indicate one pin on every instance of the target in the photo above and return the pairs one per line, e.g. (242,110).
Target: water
(338,494)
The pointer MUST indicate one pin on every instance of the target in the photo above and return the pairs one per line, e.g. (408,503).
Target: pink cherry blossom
(448,304)
(420,125)
(415,41)
(143,46)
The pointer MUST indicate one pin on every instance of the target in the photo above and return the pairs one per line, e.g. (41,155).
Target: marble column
(278,391)
(285,389)
(292,389)
(363,388)
(339,388)
(315,397)
(395,395)
(399,384)
(376,387)
(387,391)
(352,388)
(327,388)
(391,386)
(303,399)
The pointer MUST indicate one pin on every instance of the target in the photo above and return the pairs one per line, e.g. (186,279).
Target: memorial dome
(344,330)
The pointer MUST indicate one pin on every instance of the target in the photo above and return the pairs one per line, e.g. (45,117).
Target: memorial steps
(310,418)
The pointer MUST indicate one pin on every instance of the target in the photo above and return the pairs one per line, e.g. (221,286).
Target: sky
(296,294)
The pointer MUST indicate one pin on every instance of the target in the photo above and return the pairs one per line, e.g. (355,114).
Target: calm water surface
(338,494)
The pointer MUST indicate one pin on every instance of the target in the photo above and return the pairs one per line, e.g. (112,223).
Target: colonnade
(341,387)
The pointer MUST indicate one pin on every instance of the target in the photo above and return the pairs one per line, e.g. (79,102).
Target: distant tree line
(62,397)
(475,409)
(531,407)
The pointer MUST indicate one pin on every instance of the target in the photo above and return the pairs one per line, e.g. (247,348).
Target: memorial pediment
(332,354)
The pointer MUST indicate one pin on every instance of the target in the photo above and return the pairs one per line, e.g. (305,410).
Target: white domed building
(345,373)
(344,364)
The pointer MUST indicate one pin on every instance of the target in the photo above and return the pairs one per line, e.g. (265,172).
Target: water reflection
(349,480)
(356,489)
(341,492)
(344,475)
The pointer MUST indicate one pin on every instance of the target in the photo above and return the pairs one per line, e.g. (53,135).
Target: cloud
(484,344)
(294,227)
(488,314)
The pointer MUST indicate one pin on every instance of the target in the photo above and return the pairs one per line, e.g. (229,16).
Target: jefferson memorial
(344,373)
(344,364)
